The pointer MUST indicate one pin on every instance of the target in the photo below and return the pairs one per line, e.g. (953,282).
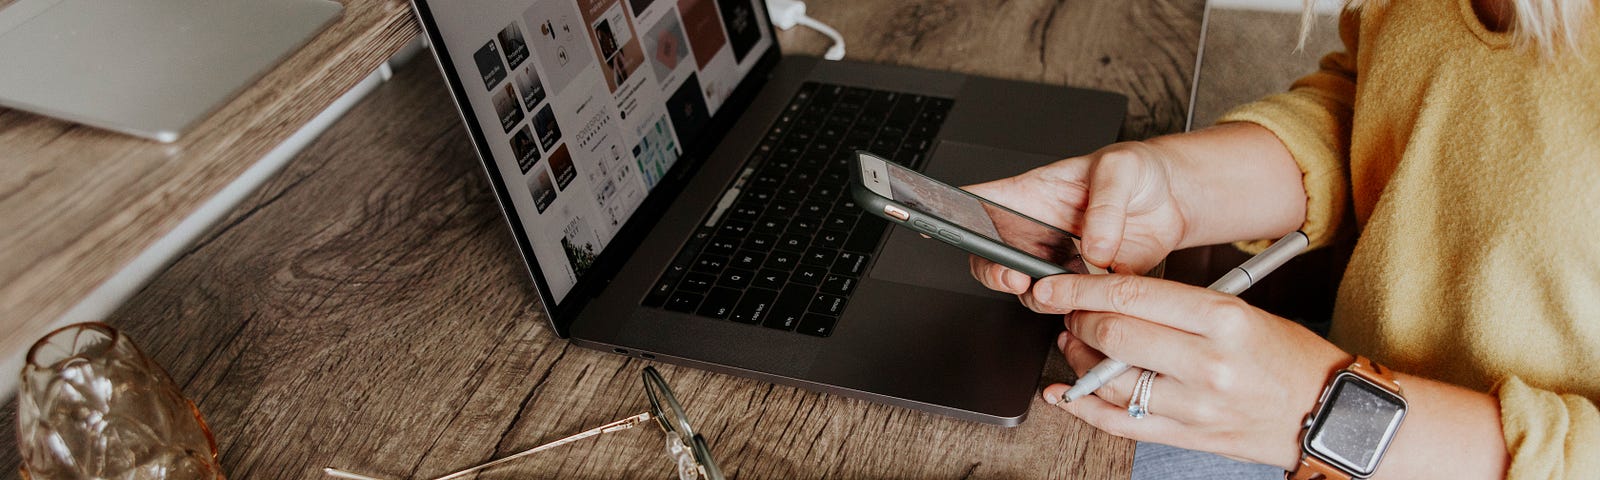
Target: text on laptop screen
(585,104)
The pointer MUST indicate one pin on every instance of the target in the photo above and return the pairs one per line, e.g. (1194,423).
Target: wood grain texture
(1142,49)
(368,310)
(79,203)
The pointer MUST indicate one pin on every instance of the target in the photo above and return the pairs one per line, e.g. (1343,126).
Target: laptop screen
(583,107)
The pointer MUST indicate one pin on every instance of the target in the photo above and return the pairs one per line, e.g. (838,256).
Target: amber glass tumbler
(92,406)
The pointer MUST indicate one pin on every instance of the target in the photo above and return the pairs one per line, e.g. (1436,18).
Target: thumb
(1110,190)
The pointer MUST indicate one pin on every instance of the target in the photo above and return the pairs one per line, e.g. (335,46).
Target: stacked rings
(1139,401)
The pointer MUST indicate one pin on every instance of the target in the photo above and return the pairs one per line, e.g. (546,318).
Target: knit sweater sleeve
(1312,120)
(1548,435)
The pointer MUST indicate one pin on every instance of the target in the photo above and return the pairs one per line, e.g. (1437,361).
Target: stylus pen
(1232,283)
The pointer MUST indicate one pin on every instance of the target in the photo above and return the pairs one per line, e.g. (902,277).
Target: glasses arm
(623,424)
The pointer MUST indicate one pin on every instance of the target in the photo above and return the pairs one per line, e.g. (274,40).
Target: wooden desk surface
(78,203)
(368,310)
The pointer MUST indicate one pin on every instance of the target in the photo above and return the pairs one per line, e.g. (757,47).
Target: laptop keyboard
(786,245)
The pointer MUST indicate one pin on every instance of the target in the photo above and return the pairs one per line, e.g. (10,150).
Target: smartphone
(967,221)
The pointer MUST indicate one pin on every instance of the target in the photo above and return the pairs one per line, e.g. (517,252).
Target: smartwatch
(1353,423)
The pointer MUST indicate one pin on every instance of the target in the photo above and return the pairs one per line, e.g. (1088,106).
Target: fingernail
(1061,341)
(1041,291)
(1016,284)
(1051,399)
(1100,251)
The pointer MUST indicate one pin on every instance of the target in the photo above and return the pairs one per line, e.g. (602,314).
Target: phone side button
(922,224)
(952,236)
(896,212)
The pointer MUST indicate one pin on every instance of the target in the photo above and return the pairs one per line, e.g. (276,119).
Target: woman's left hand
(1233,379)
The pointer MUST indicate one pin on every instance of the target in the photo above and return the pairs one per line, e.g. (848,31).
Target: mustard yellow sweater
(1469,170)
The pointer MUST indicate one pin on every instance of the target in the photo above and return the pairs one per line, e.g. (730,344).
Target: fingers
(998,278)
(1114,419)
(1111,188)
(1081,357)
(1137,342)
(1182,307)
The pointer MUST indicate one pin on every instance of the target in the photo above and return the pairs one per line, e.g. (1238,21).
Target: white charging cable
(788,13)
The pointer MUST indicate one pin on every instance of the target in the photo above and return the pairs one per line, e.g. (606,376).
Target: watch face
(1356,424)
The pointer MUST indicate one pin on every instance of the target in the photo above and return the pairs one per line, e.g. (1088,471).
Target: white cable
(788,13)
(835,52)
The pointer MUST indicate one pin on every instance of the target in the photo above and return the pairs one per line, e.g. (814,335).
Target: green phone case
(962,238)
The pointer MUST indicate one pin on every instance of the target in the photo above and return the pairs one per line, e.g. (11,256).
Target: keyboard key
(760,196)
(826,193)
(710,263)
(781,260)
(680,265)
(722,245)
(814,208)
(746,211)
(823,303)
(684,302)
(866,234)
(838,285)
(698,239)
(767,179)
(658,293)
(885,144)
(771,226)
(850,263)
(761,242)
(697,282)
(794,242)
(922,131)
(800,177)
(736,228)
(755,307)
(809,275)
(736,278)
(880,99)
(769,278)
(819,257)
(747,260)
(834,178)
(782,208)
(805,224)
(790,307)
(719,303)
(839,221)
(817,325)
(830,239)
(846,205)
(793,193)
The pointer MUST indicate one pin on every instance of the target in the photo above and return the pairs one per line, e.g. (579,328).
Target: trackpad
(908,258)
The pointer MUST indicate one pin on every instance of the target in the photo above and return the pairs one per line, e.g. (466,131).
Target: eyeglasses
(686,448)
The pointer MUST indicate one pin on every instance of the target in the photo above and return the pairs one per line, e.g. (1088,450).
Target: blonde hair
(1549,25)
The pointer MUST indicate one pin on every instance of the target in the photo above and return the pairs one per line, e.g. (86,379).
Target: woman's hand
(1233,379)
(1129,217)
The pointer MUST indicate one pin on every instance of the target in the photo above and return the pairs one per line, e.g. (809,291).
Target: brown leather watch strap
(1313,468)
(1376,373)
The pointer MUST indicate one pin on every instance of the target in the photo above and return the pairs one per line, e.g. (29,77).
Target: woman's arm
(1234,182)
(1449,432)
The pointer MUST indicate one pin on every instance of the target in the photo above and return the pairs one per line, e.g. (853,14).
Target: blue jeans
(1153,461)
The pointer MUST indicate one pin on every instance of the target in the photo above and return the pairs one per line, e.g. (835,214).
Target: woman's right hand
(1119,199)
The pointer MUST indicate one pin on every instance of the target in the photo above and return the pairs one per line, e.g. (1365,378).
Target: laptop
(676,187)
(149,68)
